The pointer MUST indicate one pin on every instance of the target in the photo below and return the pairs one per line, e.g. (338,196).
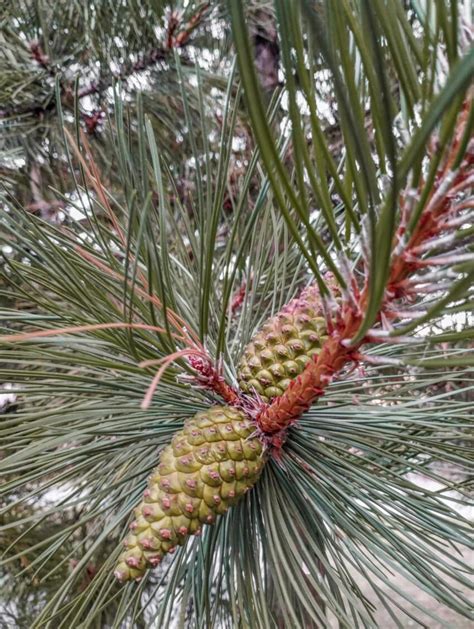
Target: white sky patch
(238,144)
(13,159)
(57,494)
(453,499)
(7,395)
(80,206)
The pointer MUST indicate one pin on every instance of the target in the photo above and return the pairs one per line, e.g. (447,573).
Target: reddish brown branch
(337,352)
(311,384)
(439,215)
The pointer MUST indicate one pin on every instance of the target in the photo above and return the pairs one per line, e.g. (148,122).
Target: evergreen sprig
(162,253)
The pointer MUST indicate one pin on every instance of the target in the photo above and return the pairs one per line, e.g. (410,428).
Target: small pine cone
(286,343)
(209,465)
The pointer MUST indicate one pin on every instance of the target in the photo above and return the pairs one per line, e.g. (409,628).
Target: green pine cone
(209,465)
(279,352)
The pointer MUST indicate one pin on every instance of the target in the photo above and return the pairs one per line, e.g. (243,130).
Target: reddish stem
(335,354)
(209,377)
(311,384)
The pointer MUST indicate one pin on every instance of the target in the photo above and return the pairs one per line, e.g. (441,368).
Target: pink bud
(132,562)
(154,561)
(189,507)
(191,483)
(165,533)
(146,543)
(216,499)
(183,530)
(166,502)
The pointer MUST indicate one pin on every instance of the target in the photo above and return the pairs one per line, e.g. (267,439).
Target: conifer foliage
(236,293)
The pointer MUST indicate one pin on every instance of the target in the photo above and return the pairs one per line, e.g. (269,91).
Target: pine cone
(283,347)
(209,465)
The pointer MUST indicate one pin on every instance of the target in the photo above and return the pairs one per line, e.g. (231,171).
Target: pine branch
(178,36)
(154,283)
(339,350)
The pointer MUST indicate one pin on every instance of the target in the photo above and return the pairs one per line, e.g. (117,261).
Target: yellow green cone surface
(209,465)
(284,345)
